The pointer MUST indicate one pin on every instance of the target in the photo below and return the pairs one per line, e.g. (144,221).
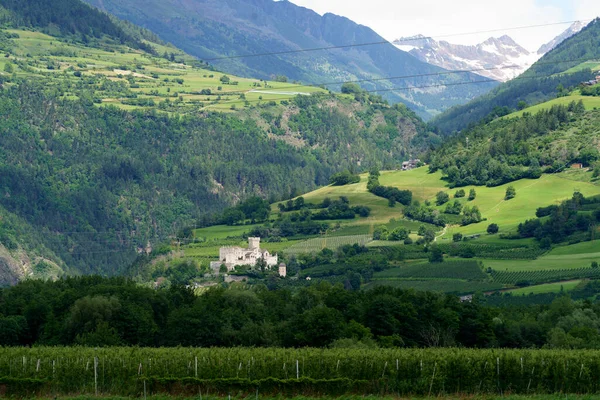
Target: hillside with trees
(224,33)
(510,149)
(88,182)
(553,75)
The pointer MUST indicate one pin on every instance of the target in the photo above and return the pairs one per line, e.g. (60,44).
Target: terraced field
(333,243)
(131,79)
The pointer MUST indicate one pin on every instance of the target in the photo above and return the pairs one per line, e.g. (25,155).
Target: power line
(393,89)
(387,42)
(389,78)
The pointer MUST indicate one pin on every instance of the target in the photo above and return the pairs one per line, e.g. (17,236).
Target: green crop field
(462,270)
(444,286)
(555,287)
(317,244)
(245,372)
(131,79)
(575,256)
(223,231)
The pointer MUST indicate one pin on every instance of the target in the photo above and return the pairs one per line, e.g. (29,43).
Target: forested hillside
(514,148)
(226,32)
(554,73)
(85,187)
(65,17)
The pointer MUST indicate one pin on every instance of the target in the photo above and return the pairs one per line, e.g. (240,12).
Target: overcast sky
(393,19)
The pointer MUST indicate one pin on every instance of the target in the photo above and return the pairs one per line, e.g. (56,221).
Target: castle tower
(253,243)
(282,270)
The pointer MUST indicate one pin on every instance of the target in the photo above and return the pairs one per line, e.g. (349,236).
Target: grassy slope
(36,49)
(580,255)
(555,287)
(590,103)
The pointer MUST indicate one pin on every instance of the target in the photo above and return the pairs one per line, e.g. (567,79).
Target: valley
(245,199)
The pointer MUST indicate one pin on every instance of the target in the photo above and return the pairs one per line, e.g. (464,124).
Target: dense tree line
(70,17)
(98,311)
(556,224)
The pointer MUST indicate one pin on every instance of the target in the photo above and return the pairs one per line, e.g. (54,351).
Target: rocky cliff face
(500,58)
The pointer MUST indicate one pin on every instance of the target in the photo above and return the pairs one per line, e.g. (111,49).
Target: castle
(234,256)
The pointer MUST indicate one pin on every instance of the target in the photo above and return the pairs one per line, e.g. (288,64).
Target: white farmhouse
(234,256)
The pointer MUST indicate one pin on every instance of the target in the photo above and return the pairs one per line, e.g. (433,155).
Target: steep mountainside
(85,186)
(563,67)
(498,58)
(572,30)
(211,30)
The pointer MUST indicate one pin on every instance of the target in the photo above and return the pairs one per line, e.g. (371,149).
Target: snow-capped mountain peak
(573,29)
(497,58)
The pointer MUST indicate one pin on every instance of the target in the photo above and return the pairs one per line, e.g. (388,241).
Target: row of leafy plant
(127,371)
(526,278)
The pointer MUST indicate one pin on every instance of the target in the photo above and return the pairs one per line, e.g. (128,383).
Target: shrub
(472,194)
(493,229)
(510,193)
(457,237)
(459,194)
(441,198)
(344,178)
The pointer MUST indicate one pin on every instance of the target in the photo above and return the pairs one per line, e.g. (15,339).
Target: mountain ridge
(234,31)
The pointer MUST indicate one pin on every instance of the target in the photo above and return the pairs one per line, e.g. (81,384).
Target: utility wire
(392,89)
(390,78)
(387,42)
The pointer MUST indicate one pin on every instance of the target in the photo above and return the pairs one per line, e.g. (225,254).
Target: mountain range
(501,59)
(240,37)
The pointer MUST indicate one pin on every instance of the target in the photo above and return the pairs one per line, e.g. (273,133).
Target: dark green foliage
(526,278)
(454,208)
(590,91)
(424,213)
(492,229)
(441,198)
(467,270)
(457,237)
(507,150)
(459,194)
(351,88)
(471,215)
(344,178)
(511,193)
(575,216)
(398,234)
(472,194)
(393,194)
(436,255)
(71,17)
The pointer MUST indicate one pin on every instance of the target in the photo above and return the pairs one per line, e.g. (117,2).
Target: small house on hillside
(577,166)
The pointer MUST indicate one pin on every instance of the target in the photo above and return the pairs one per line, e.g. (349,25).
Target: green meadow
(138,80)
(555,287)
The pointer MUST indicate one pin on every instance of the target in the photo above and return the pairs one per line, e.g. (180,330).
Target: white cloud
(442,17)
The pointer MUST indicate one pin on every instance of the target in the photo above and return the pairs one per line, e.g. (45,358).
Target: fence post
(297,371)
(96,375)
